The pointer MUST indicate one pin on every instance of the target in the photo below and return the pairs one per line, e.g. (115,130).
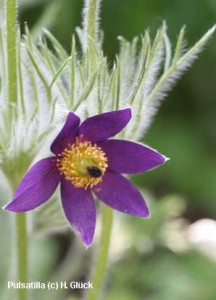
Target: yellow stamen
(83,163)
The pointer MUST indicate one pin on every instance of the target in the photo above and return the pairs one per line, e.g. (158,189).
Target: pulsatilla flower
(86,162)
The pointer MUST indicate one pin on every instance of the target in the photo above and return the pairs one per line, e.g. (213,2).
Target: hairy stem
(11,50)
(90,20)
(21,233)
(21,253)
(21,244)
(90,23)
(102,257)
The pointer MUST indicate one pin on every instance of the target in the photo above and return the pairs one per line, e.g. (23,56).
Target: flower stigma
(82,163)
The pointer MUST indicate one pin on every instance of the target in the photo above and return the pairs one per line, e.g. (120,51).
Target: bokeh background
(173,254)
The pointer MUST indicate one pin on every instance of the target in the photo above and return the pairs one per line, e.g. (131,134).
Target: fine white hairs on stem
(91,21)
(174,66)
(179,63)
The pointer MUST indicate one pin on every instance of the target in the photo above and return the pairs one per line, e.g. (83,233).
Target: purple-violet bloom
(87,162)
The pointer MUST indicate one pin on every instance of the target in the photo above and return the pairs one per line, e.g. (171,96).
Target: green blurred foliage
(150,269)
(162,275)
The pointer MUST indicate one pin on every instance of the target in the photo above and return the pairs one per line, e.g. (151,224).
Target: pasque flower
(86,162)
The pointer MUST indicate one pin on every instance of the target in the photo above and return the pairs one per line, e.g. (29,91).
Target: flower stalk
(90,21)
(21,233)
(91,16)
(11,50)
(90,25)
(102,257)
(21,244)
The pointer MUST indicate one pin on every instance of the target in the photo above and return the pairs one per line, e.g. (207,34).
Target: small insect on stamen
(83,164)
(94,172)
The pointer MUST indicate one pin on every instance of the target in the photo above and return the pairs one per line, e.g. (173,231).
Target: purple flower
(87,162)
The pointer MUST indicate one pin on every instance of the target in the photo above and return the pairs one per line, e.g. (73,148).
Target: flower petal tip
(166,159)
(145,213)
(86,241)
(128,113)
(148,215)
(128,109)
(9,207)
(87,245)
(4,207)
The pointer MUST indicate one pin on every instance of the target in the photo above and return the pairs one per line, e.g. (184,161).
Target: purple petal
(36,187)
(103,126)
(67,135)
(79,208)
(117,192)
(129,157)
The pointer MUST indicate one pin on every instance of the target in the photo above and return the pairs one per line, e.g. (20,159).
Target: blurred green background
(164,258)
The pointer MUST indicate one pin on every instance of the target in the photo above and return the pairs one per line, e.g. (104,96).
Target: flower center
(83,163)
